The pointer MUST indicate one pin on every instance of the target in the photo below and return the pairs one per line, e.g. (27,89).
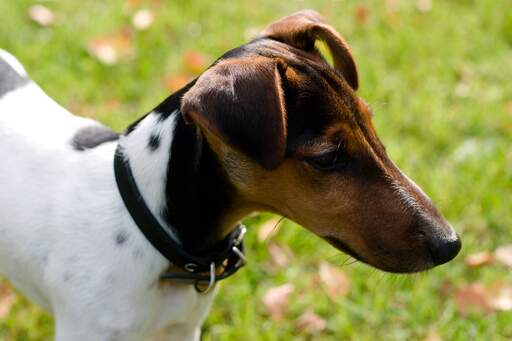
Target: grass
(439,82)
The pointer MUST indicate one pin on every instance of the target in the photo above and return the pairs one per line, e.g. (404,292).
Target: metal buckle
(190,267)
(240,255)
(241,235)
(211,282)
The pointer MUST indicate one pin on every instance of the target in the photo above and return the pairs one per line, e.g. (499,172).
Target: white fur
(60,214)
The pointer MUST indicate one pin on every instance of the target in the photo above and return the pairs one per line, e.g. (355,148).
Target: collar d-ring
(211,282)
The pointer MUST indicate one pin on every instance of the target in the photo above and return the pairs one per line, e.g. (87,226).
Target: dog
(123,236)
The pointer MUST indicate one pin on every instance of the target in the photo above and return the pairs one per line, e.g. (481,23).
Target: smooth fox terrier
(121,237)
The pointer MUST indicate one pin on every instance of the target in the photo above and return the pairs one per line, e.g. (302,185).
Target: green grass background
(440,84)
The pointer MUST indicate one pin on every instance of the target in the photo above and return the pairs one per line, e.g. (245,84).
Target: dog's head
(294,138)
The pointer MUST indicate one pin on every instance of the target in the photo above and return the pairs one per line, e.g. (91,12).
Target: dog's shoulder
(12,73)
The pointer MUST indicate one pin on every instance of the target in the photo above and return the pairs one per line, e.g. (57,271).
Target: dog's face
(295,138)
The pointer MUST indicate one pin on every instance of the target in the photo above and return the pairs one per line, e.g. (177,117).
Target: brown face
(294,138)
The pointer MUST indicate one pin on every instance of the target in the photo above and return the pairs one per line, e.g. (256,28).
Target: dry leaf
(193,62)
(503,254)
(310,322)
(7,300)
(176,82)
(433,336)
(142,19)
(479,259)
(110,49)
(280,255)
(473,298)
(362,14)
(500,297)
(276,300)
(424,5)
(335,281)
(268,229)
(41,15)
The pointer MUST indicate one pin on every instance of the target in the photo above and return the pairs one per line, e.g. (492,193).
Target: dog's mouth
(340,245)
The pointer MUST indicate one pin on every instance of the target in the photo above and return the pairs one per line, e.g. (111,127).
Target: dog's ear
(303,28)
(241,102)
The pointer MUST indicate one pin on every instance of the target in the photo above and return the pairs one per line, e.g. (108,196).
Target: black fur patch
(92,136)
(121,237)
(9,78)
(154,142)
(198,191)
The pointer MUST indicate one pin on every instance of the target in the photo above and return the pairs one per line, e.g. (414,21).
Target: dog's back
(39,166)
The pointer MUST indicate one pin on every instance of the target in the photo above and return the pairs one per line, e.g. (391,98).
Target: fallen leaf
(7,300)
(41,15)
(473,299)
(193,62)
(268,229)
(280,255)
(276,301)
(479,259)
(424,5)
(446,288)
(335,281)
(110,49)
(500,297)
(310,322)
(176,82)
(142,19)
(503,254)
(508,107)
(462,89)
(433,336)
(362,14)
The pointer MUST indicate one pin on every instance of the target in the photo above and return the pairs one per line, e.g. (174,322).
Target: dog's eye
(328,161)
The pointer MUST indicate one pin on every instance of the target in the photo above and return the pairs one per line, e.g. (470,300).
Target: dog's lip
(341,245)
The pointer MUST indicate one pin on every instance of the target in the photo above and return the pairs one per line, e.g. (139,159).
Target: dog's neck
(180,178)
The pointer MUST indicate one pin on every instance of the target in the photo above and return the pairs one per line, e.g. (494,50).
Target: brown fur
(271,107)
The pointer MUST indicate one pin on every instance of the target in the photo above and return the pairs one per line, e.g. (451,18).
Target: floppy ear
(303,28)
(241,102)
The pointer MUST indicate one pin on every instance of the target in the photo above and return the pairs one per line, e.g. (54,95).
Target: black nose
(443,250)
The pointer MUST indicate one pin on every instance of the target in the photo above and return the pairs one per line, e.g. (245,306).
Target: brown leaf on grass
(424,5)
(362,14)
(7,300)
(176,82)
(310,322)
(280,255)
(335,281)
(193,62)
(276,301)
(142,19)
(503,254)
(500,297)
(41,15)
(508,107)
(473,299)
(268,229)
(433,336)
(110,49)
(479,259)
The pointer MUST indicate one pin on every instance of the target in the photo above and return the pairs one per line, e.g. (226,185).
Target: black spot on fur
(9,78)
(121,237)
(154,142)
(92,136)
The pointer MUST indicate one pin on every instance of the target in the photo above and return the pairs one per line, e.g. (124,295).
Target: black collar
(222,261)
